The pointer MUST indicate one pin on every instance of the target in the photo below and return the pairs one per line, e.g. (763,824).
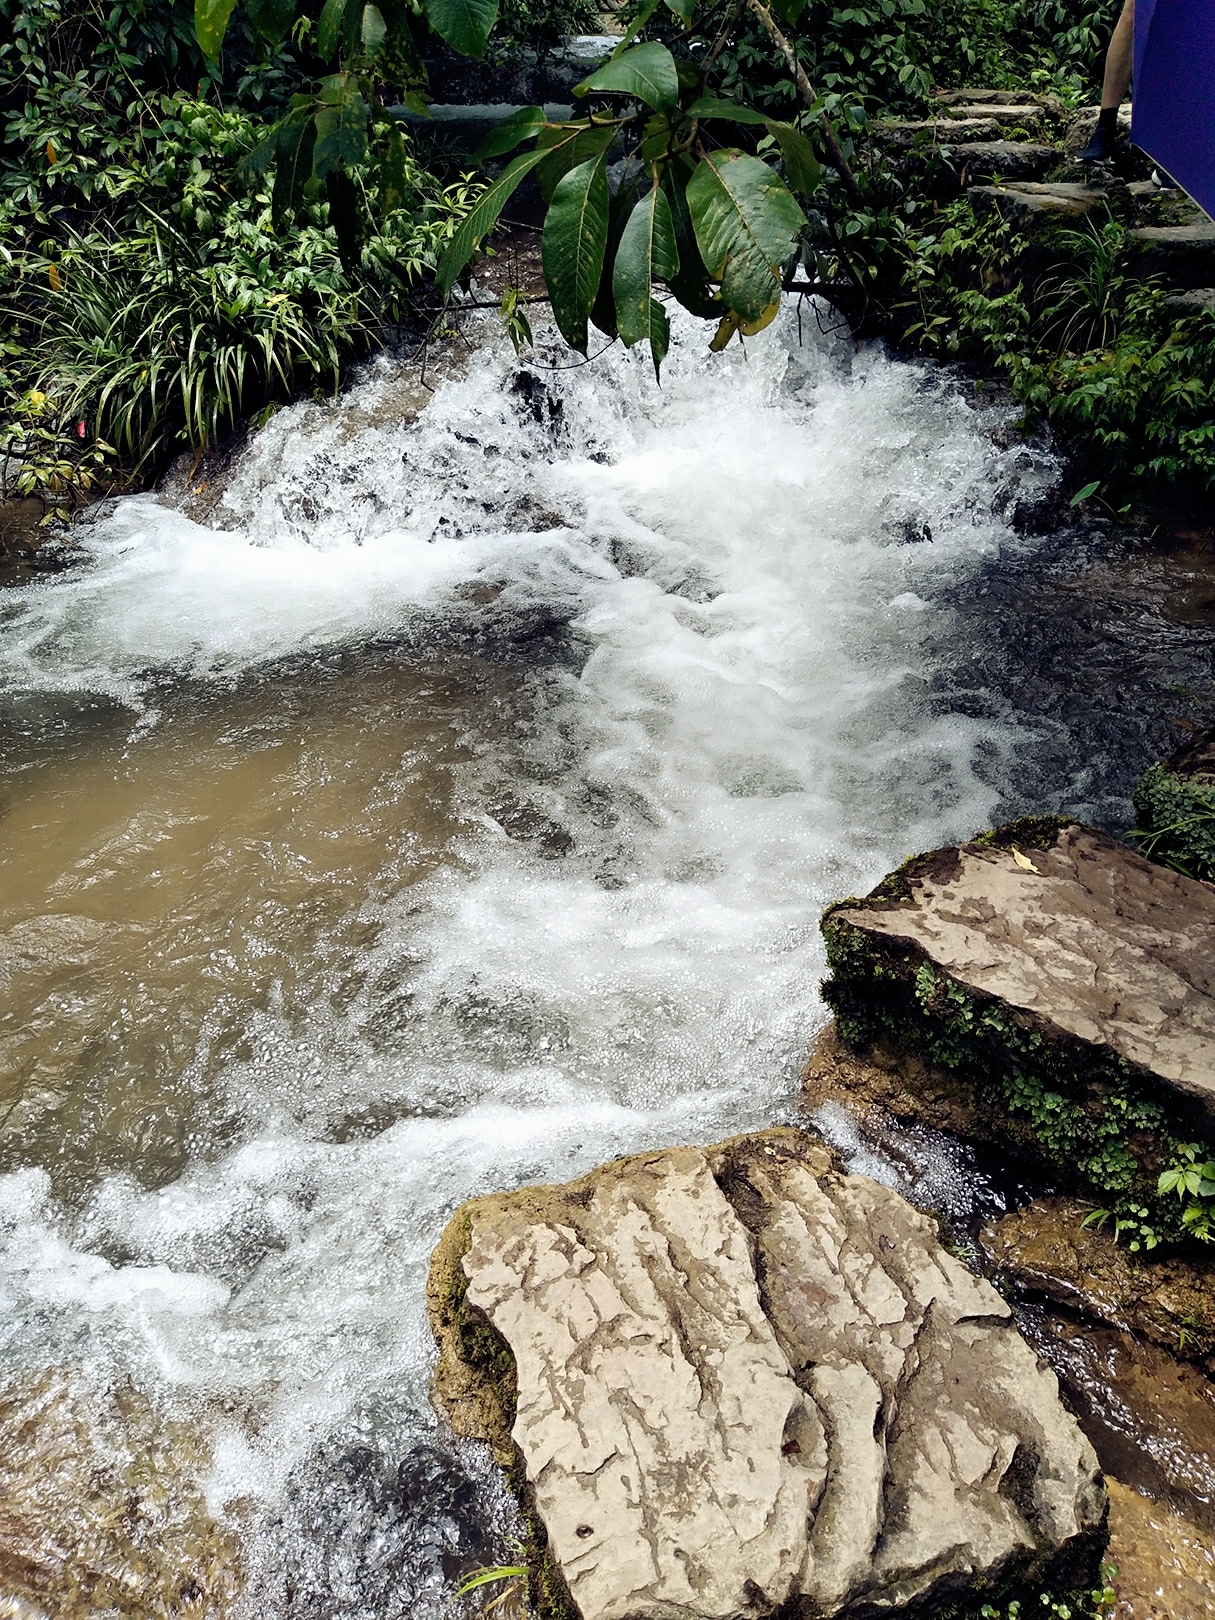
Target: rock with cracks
(732,1379)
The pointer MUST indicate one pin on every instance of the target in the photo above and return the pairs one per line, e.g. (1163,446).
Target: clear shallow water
(457,811)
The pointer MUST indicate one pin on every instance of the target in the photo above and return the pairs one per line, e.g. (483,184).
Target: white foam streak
(746,739)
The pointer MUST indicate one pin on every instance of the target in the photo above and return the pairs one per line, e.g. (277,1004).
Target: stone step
(900,133)
(1029,116)
(996,98)
(1030,203)
(1180,255)
(741,1383)
(983,161)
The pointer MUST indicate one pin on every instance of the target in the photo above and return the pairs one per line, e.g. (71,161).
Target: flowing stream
(455,809)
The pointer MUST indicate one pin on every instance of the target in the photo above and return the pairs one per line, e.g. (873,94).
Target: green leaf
(211,24)
(747,225)
(646,71)
(271,18)
(255,163)
(647,253)
(691,284)
(603,310)
(511,131)
(394,172)
(788,10)
(683,9)
(411,101)
(573,244)
(374,30)
(464,24)
(1083,494)
(635,27)
(329,29)
(341,133)
(480,220)
(564,148)
(294,165)
(710,107)
(801,166)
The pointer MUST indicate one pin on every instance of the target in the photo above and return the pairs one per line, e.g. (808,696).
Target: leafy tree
(718,225)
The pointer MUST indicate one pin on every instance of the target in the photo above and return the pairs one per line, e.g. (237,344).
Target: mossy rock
(1066,982)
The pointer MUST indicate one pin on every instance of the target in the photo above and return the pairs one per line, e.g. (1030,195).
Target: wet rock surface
(1046,1249)
(1165,1562)
(734,1377)
(1083,941)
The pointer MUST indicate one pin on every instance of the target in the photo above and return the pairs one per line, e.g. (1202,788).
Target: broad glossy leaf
(747,224)
(710,107)
(341,134)
(211,24)
(329,29)
(464,24)
(801,166)
(293,165)
(603,310)
(691,284)
(647,253)
(373,29)
(733,322)
(411,101)
(646,71)
(394,172)
(256,162)
(573,244)
(271,18)
(480,220)
(511,131)
(683,9)
(565,148)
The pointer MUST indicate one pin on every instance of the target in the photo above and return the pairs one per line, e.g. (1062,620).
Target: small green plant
(1192,1178)
(515,1574)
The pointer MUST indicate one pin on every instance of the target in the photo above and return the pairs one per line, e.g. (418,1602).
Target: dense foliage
(150,299)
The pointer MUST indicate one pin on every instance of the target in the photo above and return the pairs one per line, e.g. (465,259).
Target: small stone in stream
(1038,944)
(737,1379)
(1046,1249)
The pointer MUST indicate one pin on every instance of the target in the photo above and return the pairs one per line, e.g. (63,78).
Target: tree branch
(834,151)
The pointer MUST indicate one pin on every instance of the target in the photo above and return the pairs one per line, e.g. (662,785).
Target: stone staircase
(1016,153)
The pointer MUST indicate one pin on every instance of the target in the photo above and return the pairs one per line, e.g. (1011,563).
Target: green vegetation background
(151,302)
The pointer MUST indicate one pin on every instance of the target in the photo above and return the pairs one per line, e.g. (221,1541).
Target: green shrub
(1175,821)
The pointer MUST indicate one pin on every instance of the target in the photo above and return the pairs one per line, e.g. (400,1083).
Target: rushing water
(456,810)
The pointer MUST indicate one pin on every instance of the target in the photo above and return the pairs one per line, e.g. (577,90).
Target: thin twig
(719,44)
(810,96)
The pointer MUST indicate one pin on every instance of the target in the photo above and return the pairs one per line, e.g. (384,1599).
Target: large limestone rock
(735,1378)
(1080,939)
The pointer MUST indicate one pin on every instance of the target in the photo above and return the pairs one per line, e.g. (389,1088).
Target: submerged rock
(733,1378)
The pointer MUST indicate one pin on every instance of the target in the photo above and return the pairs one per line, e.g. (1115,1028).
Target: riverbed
(454,808)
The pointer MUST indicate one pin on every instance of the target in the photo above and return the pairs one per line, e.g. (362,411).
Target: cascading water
(455,811)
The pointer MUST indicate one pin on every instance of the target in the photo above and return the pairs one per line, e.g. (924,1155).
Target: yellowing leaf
(1023,861)
(53,276)
(51,154)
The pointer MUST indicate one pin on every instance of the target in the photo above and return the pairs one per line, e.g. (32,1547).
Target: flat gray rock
(1181,255)
(744,1379)
(1029,201)
(1088,938)
(1010,160)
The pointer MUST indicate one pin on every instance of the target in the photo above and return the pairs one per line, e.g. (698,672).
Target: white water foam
(748,737)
